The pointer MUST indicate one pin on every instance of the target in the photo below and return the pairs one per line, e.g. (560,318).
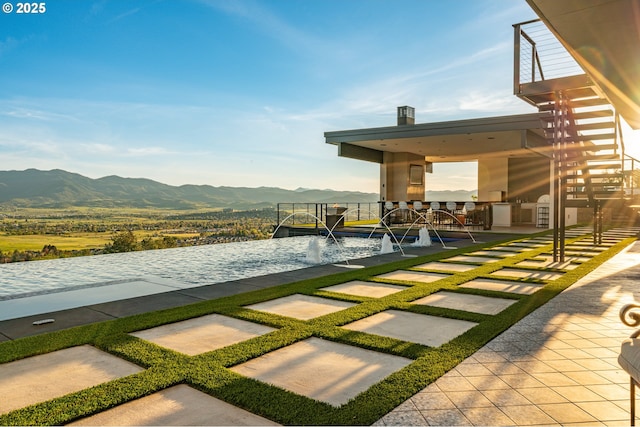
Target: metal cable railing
(538,55)
(631,174)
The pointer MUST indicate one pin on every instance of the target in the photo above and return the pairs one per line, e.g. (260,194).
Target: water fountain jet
(313,251)
(424,239)
(386,247)
(330,234)
(380,221)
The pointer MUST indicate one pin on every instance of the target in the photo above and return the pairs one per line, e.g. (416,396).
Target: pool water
(197,265)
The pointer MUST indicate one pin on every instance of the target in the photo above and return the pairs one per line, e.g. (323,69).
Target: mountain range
(60,189)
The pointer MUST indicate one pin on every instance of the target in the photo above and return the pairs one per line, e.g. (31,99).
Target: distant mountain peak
(58,189)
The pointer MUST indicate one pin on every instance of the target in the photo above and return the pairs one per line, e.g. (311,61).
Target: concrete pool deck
(555,367)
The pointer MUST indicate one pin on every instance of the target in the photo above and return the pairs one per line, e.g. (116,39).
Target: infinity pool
(197,265)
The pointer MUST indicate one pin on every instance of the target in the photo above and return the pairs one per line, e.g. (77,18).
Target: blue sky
(240,92)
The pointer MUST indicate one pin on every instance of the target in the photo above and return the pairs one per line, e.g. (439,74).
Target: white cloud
(30,150)
(124,15)
(263,19)
(486,101)
(147,151)
(98,148)
(37,114)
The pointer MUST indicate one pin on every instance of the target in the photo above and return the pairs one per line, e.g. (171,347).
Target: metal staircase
(585,146)
(581,127)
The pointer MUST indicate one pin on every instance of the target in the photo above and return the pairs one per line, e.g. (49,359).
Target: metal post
(632,398)
(601,217)
(632,180)
(534,54)
(516,59)
(555,205)
(597,226)
(563,175)
(556,177)
(559,184)
(595,223)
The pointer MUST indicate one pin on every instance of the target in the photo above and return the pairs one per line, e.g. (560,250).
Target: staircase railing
(631,176)
(539,56)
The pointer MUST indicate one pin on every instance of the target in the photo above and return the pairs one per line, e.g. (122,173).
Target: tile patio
(557,366)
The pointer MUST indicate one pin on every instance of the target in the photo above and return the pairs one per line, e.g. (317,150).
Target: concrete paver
(365,289)
(419,328)
(586,246)
(202,334)
(581,253)
(472,259)
(567,265)
(510,248)
(39,378)
(492,253)
(529,244)
(180,405)
(549,258)
(413,276)
(302,307)
(445,266)
(466,302)
(323,370)
(503,286)
(527,274)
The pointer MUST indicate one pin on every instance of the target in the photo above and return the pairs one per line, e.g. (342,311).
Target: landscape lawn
(210,373)
(70,241)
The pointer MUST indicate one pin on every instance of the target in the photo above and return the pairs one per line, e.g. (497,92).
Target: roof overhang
(453,141)
(604,38)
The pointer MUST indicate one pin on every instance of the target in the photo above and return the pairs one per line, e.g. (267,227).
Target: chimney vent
(406,115)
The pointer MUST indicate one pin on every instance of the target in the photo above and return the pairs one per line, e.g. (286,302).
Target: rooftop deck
(557,366)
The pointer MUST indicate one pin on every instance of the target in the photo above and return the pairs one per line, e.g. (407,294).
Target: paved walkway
(558,366)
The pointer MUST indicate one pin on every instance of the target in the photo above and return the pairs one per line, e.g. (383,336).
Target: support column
(560,185)
(402,177)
